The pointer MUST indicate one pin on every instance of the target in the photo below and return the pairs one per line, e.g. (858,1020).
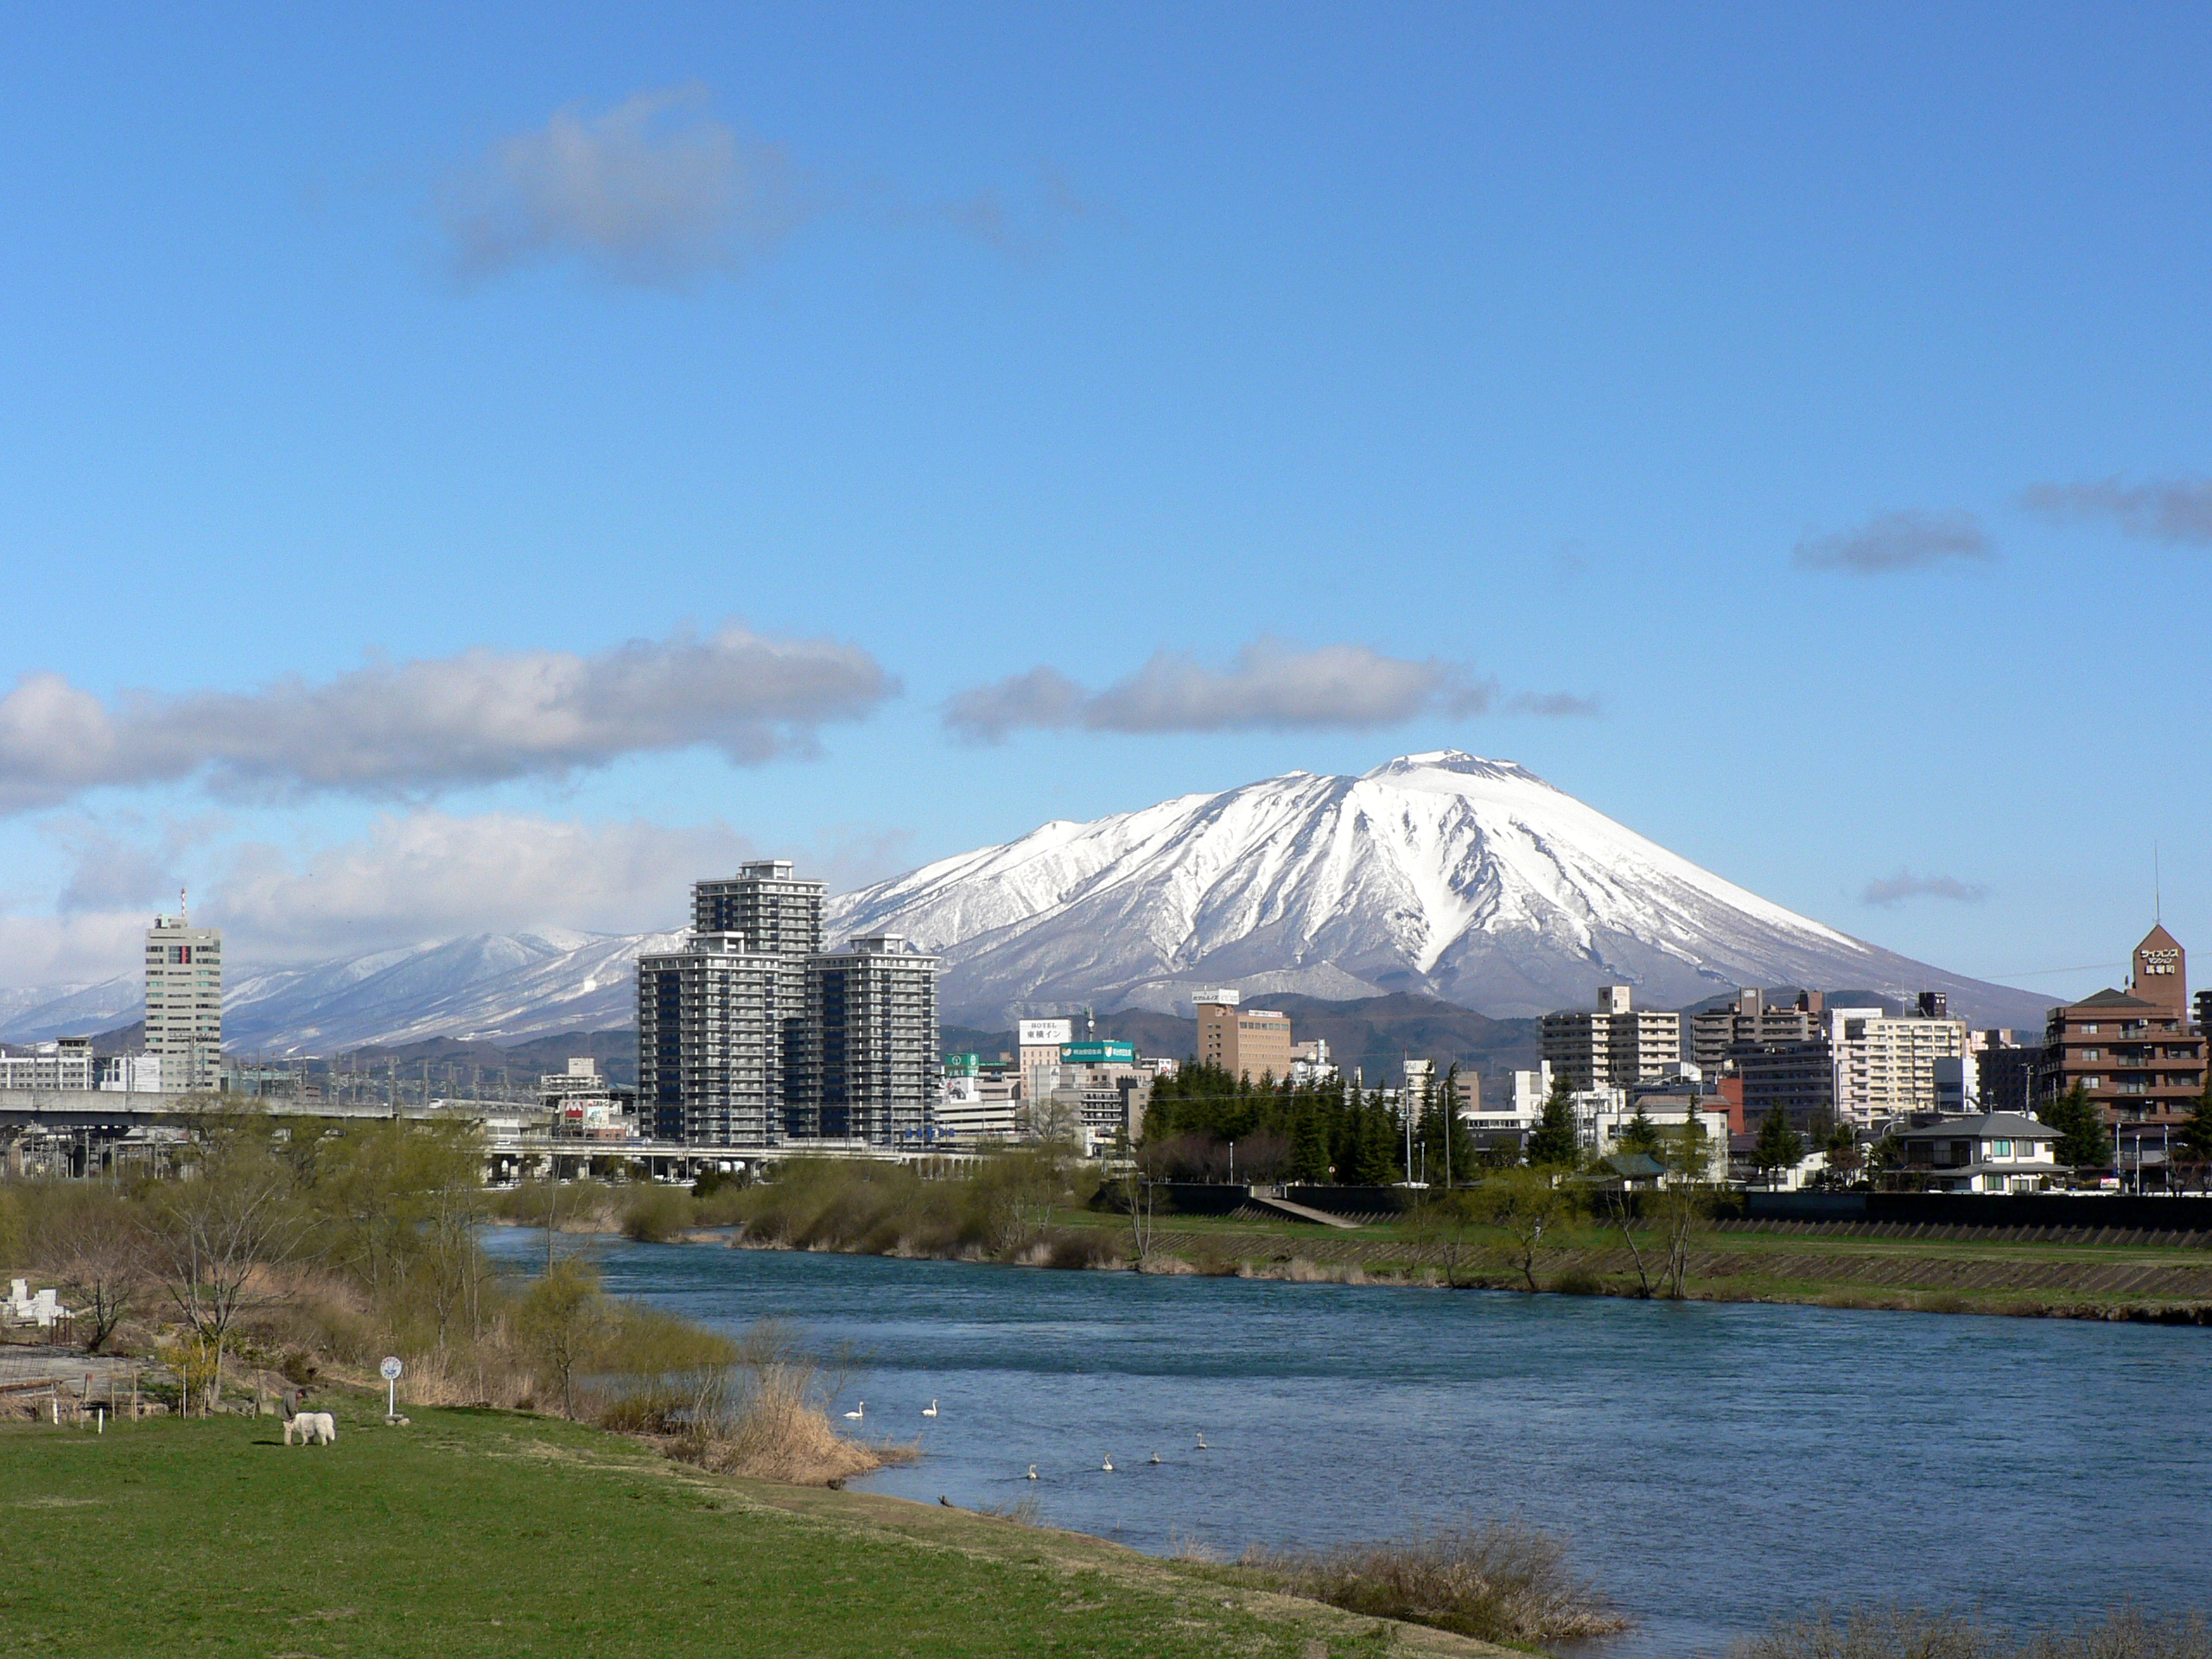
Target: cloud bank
(1898,541)
(1896,889)
(2165,509)
(653,192)
(417,728)
(1271,687)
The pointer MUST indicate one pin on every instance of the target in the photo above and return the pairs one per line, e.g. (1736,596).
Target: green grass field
(495,1533)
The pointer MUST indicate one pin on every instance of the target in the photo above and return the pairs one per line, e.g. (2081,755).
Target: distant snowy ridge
(1470,879)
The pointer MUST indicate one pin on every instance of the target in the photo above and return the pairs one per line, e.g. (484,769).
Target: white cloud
(2164,510)
(653,192)
(1555,705)
(426,875)
(1896,889)
(1271,686)
(412,877)
(415,727)
(1898,541)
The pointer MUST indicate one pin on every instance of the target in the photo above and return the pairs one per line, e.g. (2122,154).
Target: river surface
(1715,1464)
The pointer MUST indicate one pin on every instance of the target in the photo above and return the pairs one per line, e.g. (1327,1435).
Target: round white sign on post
(391,1368)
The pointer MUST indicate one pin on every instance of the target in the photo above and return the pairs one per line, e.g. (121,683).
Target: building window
(2000,1148)
(2093,1054)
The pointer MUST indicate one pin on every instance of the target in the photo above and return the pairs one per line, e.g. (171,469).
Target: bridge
(98,1131)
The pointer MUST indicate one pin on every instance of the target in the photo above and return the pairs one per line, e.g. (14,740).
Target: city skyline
(475,468)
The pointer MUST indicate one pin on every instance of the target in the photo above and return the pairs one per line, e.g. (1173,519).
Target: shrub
(1080,1249)
(768,1417)
(1499,1581)
(1576,1281)
(655,1214)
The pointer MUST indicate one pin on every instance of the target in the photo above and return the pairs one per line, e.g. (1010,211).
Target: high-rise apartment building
(869,1061)
(778,914)
(184,1003)
(711,1042)
(1249,1043)
(718,1019)
(1617,1044)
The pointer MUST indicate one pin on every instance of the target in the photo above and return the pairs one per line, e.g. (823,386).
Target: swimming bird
(1155,1457)
(859,1406)
(1202,1443)
(1032,1472)
(1109,1465)
(929,1410)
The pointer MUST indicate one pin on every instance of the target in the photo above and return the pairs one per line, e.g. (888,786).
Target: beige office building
(1250,1043)
(184,1004)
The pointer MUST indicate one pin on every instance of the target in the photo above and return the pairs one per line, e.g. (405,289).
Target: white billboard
(1044,1034)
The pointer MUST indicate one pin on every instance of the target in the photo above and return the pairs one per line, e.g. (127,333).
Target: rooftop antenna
(183,910)
(2157,904)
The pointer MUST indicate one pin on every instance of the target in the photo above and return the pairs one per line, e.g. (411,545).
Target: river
(1715,1464)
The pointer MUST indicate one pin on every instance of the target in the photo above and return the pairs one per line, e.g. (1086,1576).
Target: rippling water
(1716,1464)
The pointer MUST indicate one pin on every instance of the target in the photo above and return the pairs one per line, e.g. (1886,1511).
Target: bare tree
(97,1247)
(1527,1203)
(1139,1181)
(1442,1220)
(220,1230)
(562,1319)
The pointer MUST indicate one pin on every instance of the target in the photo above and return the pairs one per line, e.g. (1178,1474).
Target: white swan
(854,1415)
(1202,1443)
(929,1410)
(1155,1457)
(1032,1472)
(1109,1465)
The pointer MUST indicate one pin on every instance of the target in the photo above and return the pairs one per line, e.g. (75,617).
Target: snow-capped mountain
(1470,879)
(503,986)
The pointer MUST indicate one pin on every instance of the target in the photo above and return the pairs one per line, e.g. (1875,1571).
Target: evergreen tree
(1779,1147)
(1556,1140)
(1374,1145)
(2082,1140)
(1309,1149)
(1642,1134)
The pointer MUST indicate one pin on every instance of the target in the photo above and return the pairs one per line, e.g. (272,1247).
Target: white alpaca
(312,1426)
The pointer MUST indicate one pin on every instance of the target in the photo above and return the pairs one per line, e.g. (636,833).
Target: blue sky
(480,473)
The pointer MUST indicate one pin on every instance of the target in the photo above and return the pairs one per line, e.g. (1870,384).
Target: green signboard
(1098,1053)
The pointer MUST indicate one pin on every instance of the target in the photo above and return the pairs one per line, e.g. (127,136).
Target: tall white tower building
(184,1002)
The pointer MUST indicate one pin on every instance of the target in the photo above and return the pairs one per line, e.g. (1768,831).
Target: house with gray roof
(1997,1151)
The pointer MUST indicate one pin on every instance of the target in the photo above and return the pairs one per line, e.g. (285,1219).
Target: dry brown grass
(766,1416)
(1913,1633)
(1498,1581)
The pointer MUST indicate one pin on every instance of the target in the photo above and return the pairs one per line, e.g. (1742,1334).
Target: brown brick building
(2133,1051)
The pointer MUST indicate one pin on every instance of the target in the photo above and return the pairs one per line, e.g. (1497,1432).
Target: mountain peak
(1459,761)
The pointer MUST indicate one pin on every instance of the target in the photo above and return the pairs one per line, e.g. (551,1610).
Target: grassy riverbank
(500,1533)
(2144,1281)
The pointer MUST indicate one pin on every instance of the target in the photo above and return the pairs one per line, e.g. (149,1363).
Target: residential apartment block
(1889,1068)
(867,1050)
(712,1043)
(2133,1051)
(1618,1044)
(750,1034)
